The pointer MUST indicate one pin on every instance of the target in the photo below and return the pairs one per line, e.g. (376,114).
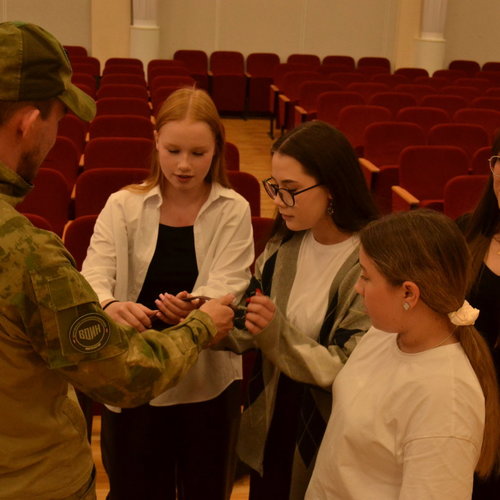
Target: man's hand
(131,314)
(222,315)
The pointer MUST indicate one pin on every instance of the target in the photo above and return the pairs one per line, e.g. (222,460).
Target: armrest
(301,115)
(370,171)
(403,200)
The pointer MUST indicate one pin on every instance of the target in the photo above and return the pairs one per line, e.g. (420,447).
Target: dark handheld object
(239,311)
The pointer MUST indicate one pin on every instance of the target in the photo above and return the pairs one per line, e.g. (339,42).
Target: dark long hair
(484,221)
(326,154)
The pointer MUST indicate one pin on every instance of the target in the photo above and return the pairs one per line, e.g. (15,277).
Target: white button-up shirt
(123,245)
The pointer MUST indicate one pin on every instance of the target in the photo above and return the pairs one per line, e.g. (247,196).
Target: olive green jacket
(313,362)
(53,333)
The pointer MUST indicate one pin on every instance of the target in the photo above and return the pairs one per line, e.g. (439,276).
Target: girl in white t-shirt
(415,409)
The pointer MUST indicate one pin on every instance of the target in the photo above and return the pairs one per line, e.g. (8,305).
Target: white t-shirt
(317,265)
(403,426)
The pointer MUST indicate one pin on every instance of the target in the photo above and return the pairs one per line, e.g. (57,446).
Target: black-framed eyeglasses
(287,196)
(494,161)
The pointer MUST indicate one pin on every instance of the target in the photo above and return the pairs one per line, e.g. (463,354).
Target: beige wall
(362,27)
(70,25)
(110,28)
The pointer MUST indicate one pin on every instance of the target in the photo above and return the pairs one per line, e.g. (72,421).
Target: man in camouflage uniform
(53,330)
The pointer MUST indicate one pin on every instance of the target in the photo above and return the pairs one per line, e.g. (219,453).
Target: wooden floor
(251,137)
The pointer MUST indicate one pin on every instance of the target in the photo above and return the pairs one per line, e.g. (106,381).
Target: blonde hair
(195,105)
(427,248)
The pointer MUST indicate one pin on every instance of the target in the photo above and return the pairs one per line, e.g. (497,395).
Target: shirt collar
(13,188)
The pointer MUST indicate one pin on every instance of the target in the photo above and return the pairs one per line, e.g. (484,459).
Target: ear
(28,117)
(411,293)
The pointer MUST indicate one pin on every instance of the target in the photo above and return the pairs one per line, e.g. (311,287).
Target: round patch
(89,333)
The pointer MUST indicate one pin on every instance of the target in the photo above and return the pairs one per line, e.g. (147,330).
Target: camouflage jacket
(53,331)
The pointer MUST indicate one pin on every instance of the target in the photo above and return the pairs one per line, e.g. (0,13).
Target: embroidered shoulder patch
(89,333)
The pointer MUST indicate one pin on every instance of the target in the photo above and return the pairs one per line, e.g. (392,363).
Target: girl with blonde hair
(182,232)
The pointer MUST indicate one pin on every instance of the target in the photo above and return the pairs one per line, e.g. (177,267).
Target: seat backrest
(262,227)
(123,78)
(281,69)
(468,93)
(393,100)
(165,64)
(450,74)
(369,61)
(248,186)
(75,50)
(309,91)
(424,116)
(390,79)
(123,61)
(491,66)
(450,103)
(77,237)
(493,76)
(92,63)
(468,136)
(292,81)
(344,78)
(195,60)
(156,71)
(123,106)
(479,164)
(65,158)
(262,63)
(73,128)
(227,62)
(367,89)
(462,193)
(486,102)
(118,152)
(329,104)
(384,141)
(417,90)
(435,82)
(122,90)
(425,170)
(471,81)
(354,119)
(50,198)
(121,126)
(93,187)
(346,61)
(160,94)
(128,69)
(411,72)
(486,118)
(39,221)
(469,67)
(231,156)
(309,59)
(178,81)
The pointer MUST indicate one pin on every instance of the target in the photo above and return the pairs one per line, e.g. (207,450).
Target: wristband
(109,303)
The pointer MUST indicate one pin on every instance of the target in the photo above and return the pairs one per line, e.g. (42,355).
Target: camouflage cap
(34,67)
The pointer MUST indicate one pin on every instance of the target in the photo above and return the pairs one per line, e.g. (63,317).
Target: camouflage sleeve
(112,363)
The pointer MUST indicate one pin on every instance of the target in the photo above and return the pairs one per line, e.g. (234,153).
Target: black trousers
(280,445)
(188,450)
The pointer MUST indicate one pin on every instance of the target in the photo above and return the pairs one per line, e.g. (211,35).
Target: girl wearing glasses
(415,410)
(181,231)
(310,317)
(482,231)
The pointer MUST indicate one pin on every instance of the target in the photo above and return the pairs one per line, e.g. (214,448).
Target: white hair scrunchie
(465,315)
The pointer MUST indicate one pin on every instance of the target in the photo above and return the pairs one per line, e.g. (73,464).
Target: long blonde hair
(196,105)
(427,248)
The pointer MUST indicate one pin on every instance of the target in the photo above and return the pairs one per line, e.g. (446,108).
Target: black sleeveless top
(173,267)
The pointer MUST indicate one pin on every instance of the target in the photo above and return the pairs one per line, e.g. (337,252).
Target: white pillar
(145,32)
(431,45)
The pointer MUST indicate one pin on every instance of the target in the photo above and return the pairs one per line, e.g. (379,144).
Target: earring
(330,209)
(406,306)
